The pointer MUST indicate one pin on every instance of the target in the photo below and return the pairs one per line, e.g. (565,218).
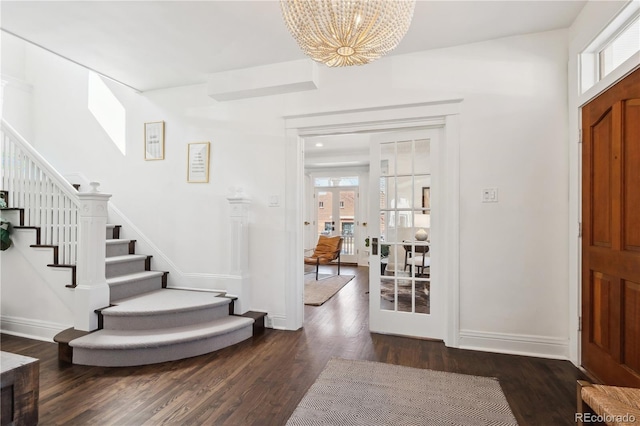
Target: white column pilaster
(239,245)
(92,291)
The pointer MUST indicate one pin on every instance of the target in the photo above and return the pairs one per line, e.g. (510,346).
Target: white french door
(336,214)
(406,296)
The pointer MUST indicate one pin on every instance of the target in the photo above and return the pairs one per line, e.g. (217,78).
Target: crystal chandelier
(347,32)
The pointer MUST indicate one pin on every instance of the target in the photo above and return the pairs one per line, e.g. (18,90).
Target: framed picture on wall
(426,197)
(198,162)
(154,140)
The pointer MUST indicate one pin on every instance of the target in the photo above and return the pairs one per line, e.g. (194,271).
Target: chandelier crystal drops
(342,33)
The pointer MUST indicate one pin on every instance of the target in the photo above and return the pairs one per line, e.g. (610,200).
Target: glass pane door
(336,215)
(401,291)
(347,214)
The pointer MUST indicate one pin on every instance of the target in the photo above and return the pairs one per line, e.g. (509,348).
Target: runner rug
(371,393)
(318,292)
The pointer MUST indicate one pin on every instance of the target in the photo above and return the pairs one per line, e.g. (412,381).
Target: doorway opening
(441,114)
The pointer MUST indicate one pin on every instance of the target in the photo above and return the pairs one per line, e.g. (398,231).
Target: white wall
(34,299)
(514,254)
(15,92)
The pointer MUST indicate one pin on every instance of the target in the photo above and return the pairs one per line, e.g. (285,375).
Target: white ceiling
(158,44)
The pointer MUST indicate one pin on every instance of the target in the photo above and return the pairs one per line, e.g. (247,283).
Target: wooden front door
(611,234)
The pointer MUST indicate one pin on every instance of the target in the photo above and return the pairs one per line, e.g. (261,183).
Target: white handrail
(49,201)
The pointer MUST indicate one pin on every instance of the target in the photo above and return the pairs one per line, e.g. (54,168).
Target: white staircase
(139,321)
(147,323)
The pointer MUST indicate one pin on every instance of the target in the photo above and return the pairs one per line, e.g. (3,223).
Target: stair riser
(164,320)
(119,249)
(124,268)
(113,233)
(12,216)
(134,288)
(142,356)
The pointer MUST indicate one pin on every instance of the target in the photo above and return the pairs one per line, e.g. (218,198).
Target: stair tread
(164,301)
(118,241)
(125,258)
(254,314)
(132,339)
(121,279)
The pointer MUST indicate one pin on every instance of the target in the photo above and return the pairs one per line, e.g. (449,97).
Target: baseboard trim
(277,322)
(31,329)
(515,344)
(17,83)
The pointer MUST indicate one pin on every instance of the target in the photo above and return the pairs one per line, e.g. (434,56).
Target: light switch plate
(274,201)
(490,195)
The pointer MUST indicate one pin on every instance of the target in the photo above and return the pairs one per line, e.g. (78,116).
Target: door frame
(575,201)
(584,171)
(444,113)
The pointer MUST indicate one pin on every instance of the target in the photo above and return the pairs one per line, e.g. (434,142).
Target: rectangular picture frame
(426,198)
(154,140)
(198,162)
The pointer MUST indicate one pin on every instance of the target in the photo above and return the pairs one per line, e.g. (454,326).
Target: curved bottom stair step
(165,308)
(120,348)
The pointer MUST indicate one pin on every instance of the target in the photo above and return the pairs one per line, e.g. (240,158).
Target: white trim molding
(9,81)
(276,321)
(387,117)
(30,328)
(515,344)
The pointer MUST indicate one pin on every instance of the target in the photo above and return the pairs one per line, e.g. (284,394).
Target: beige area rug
(318,292)
(371,393)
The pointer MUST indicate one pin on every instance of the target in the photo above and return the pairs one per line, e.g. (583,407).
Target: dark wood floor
(260,381)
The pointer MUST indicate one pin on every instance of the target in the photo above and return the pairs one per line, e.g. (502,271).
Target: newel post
(239,284)
(92,290)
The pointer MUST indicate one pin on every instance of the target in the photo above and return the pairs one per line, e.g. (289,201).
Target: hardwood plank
(261,381)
